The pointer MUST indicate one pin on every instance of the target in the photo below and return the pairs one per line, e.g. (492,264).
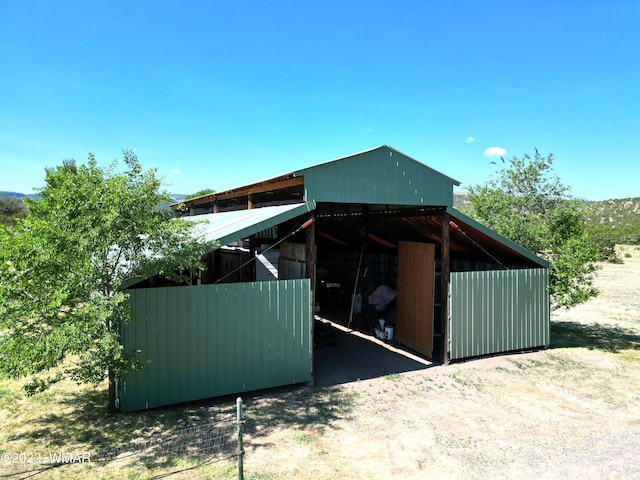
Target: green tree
(605,238)
(11,208)
(62,269)
(528,204)
(199,193)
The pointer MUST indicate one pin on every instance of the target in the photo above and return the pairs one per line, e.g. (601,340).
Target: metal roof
(504,242)
(227,227)
(383,178)
(378,175)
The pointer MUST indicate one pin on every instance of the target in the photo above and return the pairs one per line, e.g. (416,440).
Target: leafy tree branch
(527,203)
(62,269)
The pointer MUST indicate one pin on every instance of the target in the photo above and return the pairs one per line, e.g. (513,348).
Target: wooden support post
(217,265)
(252,255)
(249,201)
(216,207)
(444,295)
(310,241)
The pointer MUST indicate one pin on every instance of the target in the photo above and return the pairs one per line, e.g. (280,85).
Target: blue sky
(219,94)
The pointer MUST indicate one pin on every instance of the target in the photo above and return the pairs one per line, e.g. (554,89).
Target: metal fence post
(240,450)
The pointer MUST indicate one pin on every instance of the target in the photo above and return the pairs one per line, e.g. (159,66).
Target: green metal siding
(379,176)
(212,340)
(498,311)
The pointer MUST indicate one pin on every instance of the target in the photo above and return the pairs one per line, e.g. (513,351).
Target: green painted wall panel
(498,311)
(212,340)
(382,175)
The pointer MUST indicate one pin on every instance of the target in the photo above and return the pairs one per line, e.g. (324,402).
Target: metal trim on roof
(227,227)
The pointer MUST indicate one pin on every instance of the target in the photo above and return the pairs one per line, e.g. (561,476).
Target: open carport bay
(358,356)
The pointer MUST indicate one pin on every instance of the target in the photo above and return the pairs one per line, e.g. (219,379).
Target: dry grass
(570,411)
(73,419)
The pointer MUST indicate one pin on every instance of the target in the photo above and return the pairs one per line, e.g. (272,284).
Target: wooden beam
(332,238)
(381,241)
(444,295)
(252,256)
(310,241)
(258,188)
(217,265)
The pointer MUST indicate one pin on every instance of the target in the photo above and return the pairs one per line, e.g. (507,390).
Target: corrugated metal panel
(498,311)
(292,262)
(382,175)
(211,340)
(226,227)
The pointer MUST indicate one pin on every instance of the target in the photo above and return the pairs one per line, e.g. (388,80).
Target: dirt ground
(571,411)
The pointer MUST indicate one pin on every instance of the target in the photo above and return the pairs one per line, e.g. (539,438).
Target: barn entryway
(358,356)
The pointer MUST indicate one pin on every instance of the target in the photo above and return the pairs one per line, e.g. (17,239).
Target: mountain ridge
(176,196)
(617,220)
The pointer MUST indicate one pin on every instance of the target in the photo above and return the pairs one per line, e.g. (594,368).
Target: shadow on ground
(308,410)
(78,421)
(355,358)
(347,359)
(593,336)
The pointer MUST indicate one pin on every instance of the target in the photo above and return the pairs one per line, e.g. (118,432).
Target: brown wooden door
(414,314)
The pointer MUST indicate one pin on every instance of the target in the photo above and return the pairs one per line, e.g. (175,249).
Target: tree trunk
(111,407)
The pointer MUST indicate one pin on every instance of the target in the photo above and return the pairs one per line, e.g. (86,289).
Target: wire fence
(199,445)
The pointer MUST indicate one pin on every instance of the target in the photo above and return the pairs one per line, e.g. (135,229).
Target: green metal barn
(377,217)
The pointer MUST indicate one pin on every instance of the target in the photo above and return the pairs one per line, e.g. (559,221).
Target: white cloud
(176,171)
(495,152)
(469,140)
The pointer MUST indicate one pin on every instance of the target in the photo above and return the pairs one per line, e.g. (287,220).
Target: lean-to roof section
(462,221)
(227,227)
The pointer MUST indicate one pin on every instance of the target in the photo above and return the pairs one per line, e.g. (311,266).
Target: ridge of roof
(299,171)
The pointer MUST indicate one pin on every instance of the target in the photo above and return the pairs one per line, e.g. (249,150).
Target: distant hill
(177,196)
(617,220)
(19,195)
(462,203)
(614,213)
